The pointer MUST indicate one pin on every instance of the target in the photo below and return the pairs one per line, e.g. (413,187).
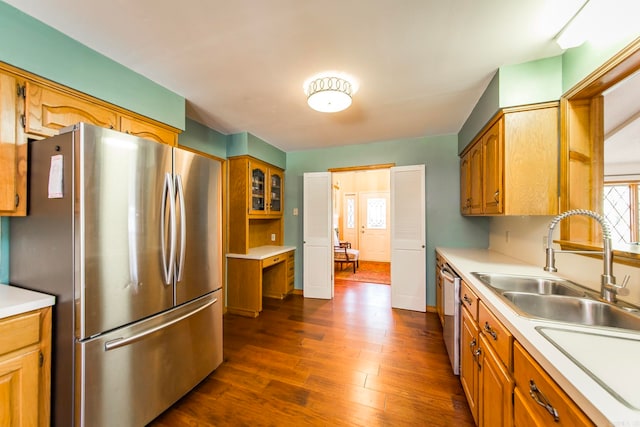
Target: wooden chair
(344,254)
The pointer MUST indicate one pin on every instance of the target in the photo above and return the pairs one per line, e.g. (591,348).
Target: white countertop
(15,300)
(623,347)
(263,252)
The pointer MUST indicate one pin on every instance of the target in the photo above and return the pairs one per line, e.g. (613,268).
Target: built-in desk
(264,271)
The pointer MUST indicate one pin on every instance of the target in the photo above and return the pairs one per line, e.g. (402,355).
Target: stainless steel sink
(530,284)
(560,300)
(583,311)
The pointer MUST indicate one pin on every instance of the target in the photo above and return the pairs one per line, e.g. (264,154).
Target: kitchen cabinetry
(485,361)
(511,167)
(538,401)
(471,180)
(25,364)
(469,344)
(255,204)
(48,110)
(266,189)
(267,272)
(13,147)
(34,108)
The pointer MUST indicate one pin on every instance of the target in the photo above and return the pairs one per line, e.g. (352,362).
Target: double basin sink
(559,300)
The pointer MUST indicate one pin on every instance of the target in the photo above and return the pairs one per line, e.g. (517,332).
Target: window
(621,211)
(376,213)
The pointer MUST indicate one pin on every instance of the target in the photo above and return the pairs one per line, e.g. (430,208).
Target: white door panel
(408,238)
(317,236)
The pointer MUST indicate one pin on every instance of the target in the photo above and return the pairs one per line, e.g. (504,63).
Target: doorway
(361,208)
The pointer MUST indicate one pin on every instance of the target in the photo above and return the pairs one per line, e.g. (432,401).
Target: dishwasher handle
(447,274)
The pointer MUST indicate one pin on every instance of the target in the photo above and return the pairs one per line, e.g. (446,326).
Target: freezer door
(119,225)
(199,224)
(130,376)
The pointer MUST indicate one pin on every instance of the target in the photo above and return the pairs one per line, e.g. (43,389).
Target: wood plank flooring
(351,361)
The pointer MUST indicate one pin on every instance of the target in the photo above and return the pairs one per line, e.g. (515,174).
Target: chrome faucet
(609,290)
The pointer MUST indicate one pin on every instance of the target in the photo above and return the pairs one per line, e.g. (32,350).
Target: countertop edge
(15,300)
(576,383)
(262,252)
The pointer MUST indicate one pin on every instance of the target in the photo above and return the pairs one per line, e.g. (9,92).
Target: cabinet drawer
(19,331)
(497,335)
(268,262)
(469,300)
(531,382)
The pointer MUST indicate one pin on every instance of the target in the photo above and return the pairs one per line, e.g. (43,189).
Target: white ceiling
(421,64)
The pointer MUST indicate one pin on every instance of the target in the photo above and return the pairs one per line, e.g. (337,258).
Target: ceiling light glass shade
(329,93)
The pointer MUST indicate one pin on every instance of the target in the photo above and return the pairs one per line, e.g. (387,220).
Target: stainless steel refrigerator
(126,233)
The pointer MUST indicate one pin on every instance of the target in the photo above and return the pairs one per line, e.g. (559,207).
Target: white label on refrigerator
(55,177)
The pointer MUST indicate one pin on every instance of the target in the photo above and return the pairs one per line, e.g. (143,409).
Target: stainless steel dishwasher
(451,329)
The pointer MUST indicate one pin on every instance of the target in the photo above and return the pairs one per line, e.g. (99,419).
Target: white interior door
(317,236)
(373,229)
(408,238)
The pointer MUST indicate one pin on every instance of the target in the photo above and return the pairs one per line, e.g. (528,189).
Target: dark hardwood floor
(349,361)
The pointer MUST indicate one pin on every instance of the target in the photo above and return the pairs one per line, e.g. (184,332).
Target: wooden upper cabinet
(514,163)
(476,178)
(49,110)
(148,131)
(267,183)
(13,148)
(465,185)
(492,166)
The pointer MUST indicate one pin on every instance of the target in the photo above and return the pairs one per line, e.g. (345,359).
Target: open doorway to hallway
(361,208)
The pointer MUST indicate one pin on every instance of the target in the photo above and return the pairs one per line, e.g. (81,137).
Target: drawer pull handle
(542,400)
(488,329)
(466,299)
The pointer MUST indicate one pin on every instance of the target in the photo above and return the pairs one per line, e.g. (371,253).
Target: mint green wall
(444,224)
(33,46)
(531,82)
(513,85)
(485,108)
(199,137)
(245,143)
(579,62)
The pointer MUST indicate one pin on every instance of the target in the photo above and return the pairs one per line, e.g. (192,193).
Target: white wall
(524,242)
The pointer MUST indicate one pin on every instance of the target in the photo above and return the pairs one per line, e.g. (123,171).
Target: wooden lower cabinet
(496,387)
(469,344)
(538,400)
(250,279)
(25,366)
(503,384)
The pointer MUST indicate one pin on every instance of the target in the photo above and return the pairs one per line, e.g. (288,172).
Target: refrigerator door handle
(121,342)
(183,227)
(167,265)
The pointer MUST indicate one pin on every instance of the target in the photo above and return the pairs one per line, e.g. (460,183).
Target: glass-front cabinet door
(258,181)
(275,204)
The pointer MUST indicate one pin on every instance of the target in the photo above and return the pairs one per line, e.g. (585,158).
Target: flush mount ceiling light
(329,92)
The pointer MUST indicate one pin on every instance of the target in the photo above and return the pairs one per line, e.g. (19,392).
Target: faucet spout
(609,289)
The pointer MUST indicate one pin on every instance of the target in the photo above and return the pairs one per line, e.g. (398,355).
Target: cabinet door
(147,130)
(13,149)
(469,346)
(19,390)
(275,191)
(475,179)
(492,166)
(496,385)
(49,110)
(258,195)
(465,184)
